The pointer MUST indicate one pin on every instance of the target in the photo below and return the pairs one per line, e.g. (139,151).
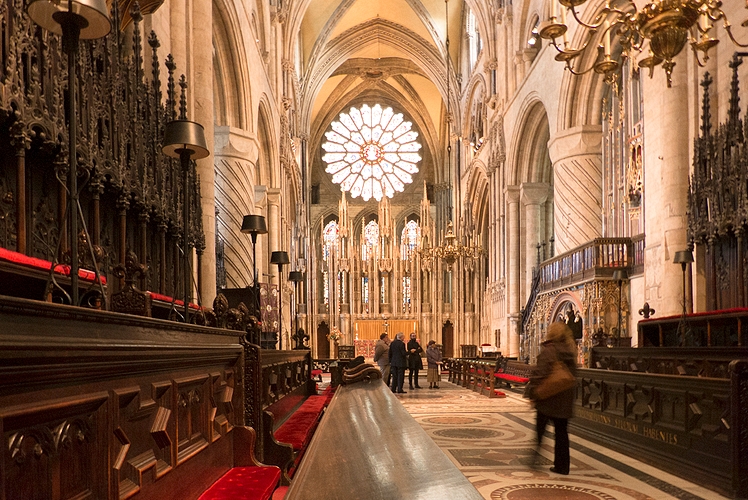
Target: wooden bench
(365,433)
(248,479)
(513,372)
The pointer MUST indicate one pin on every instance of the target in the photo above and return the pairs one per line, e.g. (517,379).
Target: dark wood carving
(123,405)
(718,200)
(131,193)
(693,427)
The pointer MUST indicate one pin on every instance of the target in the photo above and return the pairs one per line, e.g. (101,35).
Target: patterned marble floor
(491,441)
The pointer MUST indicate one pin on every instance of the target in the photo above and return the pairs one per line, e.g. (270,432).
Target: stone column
(235,155)
(513,280)
(666,151)
(274,227)
(577,186)
(202,91)
(533,197)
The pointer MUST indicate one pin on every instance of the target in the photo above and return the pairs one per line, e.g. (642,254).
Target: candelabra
(664,26)
(451,249)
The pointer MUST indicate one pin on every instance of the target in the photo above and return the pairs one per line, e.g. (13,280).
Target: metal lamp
(619,275)
(185,139)
(683,257)
(74,20)
(296,277)
(280,258)
(254,225)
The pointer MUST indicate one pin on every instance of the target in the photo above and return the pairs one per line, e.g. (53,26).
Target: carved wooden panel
(112,410)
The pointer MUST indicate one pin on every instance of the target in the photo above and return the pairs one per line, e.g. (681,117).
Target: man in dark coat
(559,346)
(398,362)
(415,363)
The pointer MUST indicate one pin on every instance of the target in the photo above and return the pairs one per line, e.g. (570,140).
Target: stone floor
(491,441)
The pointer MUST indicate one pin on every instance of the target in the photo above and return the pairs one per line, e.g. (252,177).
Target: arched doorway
(323,345)
(448,340)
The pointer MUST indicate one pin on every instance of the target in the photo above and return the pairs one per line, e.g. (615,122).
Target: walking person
(382,356)
(433,362)
(558,347)
(415,364)
(398,362)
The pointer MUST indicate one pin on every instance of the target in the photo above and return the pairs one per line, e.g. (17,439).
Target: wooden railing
(598,258)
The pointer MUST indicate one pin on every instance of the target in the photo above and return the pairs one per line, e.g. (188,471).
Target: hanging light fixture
(450,248)
(662,26)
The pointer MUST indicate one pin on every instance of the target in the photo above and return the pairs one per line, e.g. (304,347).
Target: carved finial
(734,113)
(155,66)
(136,39)
(171,96)
(183,98)
(706,116)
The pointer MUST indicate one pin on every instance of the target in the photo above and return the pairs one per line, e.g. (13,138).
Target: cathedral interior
(192,240)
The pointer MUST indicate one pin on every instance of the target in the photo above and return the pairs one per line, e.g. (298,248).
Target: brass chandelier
(451,249)
(667,25)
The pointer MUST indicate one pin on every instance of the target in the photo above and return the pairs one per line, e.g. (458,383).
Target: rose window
(371,152)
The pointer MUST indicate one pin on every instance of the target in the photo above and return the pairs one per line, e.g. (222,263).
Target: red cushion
(280,492)
(316,373)
(297,430)
(512,378)
(244,483)
(166,298)
(25,260)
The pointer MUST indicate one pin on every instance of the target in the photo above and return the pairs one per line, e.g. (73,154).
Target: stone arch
(267,157)
(531,159)
(230,91)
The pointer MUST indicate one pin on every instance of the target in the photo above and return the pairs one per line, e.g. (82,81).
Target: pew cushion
(512,378)
(244,483)
(297,430)
(44,265)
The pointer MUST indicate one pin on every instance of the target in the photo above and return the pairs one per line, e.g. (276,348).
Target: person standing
(415,364)
(382,356)
(559,346)
(398,362)
(433,362)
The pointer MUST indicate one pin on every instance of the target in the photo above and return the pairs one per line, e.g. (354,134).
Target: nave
(491,441)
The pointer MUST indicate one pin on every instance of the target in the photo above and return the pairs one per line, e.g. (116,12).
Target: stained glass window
(406,294)
(371,239)
(409,238)
(371,152)
(329,241)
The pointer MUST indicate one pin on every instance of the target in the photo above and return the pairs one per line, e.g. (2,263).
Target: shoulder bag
(559,380)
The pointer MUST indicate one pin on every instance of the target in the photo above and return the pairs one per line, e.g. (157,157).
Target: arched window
(475,42)
(329,248)
(370,240)
(533,39)
(409,239)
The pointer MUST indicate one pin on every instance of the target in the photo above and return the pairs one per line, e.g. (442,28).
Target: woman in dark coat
(559,346)
(415,363)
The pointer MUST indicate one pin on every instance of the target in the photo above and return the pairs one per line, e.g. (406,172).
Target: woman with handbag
(552,387)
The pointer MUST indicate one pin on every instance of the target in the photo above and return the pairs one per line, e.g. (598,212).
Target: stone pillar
(202,91)
(513,280)
(274,227)
(533,198)
(577,186)
(666,151)
(236,155)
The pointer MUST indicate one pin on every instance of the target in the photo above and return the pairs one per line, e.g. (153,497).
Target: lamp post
(254,225)
(683,257)
(74,20)
(185,139)
(619,275)
(296,277)
(280,258)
